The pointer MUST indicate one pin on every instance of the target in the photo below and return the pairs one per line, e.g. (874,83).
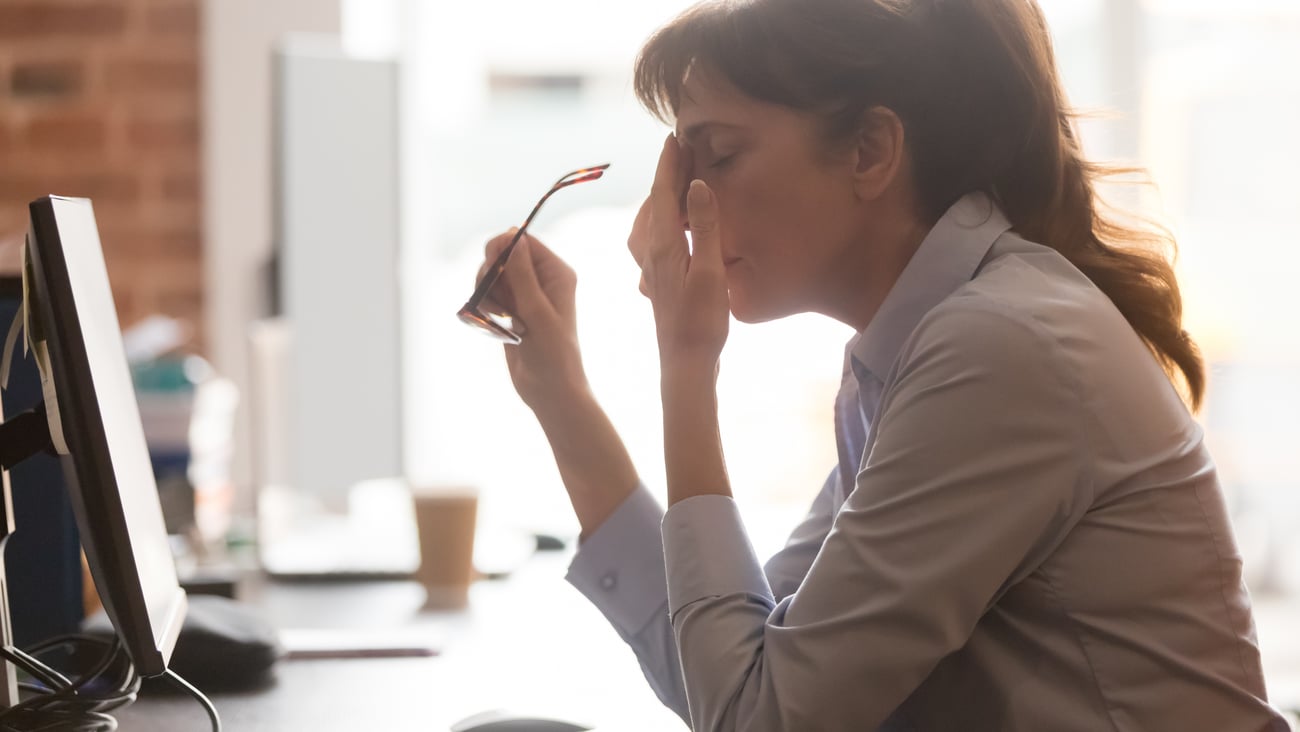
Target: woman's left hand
(686,284)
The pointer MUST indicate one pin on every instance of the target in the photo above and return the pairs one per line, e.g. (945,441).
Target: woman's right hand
(539,290)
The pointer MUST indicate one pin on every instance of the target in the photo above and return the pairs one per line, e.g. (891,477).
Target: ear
(878,154)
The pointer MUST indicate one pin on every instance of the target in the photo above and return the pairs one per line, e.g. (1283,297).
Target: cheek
(758,220)
(744,209)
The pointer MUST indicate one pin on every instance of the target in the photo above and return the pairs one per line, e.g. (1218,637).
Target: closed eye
(722,162)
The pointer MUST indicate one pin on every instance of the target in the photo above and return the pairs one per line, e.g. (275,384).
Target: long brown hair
(975,85)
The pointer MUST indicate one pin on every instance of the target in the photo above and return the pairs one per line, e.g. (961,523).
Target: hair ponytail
(1049,190)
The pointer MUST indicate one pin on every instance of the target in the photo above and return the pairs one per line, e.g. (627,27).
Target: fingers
(639,239)
(702,215)
(667,241)
(493,250)
(666,182)
(546,263)
(521,273)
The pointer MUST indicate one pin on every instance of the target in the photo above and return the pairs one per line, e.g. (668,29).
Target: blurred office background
(162,111)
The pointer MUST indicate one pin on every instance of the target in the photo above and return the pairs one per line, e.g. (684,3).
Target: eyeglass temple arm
(583,171)
(493,274)
(565,182)
(584,175)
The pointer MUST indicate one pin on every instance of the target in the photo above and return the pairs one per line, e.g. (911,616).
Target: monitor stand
(21,437)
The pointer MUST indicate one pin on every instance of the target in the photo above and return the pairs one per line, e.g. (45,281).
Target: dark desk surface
(495,655)
(529,643)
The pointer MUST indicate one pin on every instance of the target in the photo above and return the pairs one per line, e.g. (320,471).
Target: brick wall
(99,98)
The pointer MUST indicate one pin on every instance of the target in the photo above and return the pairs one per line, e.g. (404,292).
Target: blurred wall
(238,37)
(100,98)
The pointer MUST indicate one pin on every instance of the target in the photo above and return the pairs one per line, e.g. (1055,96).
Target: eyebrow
(692,133)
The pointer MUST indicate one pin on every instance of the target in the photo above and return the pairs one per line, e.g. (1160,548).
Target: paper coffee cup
(445,519)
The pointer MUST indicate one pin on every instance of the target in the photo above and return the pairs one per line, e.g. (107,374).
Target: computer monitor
(95,424)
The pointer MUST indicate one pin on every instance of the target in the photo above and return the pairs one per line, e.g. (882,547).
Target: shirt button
(608,581)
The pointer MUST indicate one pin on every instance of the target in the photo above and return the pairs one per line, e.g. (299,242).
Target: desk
(529,643)
(493,657)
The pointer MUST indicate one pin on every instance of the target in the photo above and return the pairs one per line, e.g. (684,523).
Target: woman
(1025,530)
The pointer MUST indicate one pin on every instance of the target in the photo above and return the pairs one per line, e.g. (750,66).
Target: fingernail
(700,192)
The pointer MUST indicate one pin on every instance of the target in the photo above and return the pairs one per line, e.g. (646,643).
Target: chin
(751,310)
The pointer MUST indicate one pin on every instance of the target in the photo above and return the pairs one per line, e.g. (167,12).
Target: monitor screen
(109,475)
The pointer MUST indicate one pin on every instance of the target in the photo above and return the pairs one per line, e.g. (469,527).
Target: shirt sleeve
(974,478)
(787,568)
(620,569)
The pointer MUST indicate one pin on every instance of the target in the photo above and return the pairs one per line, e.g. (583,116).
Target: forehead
(710,101)
(709,97)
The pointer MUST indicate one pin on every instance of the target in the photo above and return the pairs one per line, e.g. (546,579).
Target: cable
(48,676)
(207,704)
(70,722)
(59,704)
(57,708)
(124,690)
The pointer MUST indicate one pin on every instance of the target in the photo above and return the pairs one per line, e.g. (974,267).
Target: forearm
(692,439)
(593,461)
(620,569)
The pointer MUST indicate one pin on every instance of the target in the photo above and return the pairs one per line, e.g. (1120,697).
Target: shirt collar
(947,258)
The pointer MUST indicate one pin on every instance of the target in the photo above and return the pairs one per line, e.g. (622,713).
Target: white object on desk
(502,721)
(315,643)
(375,536)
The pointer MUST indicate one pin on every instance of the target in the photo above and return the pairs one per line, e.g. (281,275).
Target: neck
(869,268)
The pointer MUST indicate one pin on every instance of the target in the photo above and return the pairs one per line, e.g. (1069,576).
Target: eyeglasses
(497,323)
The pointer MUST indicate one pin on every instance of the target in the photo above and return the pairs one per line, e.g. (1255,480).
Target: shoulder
(973,326)
(973,341)
(1026,308)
